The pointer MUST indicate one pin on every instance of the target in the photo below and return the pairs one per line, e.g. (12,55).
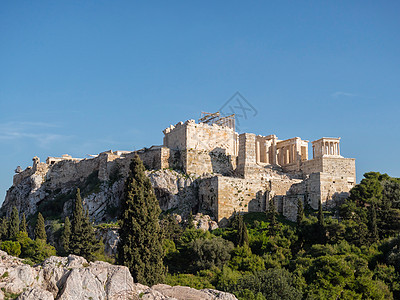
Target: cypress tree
(321,220)
(373,225)
(66,235)
(22,225)
(321,225)
(14,224)
(76,226)
(40,231)
(82,240)
(4,229)
(300,212)
(243,238)
(271,215)
(190,221)
(140,245)
(91,244)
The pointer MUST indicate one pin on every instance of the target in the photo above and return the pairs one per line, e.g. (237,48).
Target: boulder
(74,278)
(36,294)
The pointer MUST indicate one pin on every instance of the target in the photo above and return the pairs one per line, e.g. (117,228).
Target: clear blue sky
(81,77)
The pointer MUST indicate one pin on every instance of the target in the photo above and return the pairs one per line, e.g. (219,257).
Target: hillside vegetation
(351,252)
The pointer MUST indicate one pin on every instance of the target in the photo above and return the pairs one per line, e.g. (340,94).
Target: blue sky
(81,77)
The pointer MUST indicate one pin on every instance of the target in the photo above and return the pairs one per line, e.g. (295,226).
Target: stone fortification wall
(330,165)
(312,166)
(203,148)
(213,138)
(247,155)
(339,166)
(156,157)
(202,161)
(67,171)
(202,136)
(236,194)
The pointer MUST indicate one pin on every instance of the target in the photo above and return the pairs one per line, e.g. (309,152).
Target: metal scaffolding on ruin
(216,118)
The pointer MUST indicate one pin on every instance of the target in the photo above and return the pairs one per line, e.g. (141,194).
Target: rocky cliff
(51,189)
(73,278)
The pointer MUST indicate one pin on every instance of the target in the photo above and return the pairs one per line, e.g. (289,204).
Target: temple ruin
(236,172)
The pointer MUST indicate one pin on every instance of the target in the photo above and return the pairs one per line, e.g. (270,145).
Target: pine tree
(243,238)
(82,240)
(13,230)
(22,225)
(140,245)
(66,235)
(373,225)
(40,231)
(271,215)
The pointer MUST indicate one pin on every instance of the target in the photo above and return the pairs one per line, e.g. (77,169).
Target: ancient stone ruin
(204,166)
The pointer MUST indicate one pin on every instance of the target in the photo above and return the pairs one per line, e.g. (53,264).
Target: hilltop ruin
(213,169)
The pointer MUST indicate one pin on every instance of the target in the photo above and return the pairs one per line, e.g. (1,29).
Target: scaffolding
(216,118)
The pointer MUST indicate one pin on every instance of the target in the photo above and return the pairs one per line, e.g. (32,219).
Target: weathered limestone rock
(36,294)
(204,222)
(184,292)
(110,238)
(73,278)
(69,277)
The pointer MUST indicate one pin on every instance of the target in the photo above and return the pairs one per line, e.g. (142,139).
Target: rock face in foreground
(73,278)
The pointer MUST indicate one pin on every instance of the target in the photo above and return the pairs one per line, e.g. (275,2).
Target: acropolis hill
(201,167)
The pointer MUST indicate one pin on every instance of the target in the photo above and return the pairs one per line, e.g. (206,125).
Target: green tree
(373,227)
(77,225)
(210,253)
(22,225)
(66,235)
(4,229)
(273,283)
(140,246)
(300,212)
(14,224)
(271,215)
(40,231)
(171,228)
(321,220)
(243,237)
(190,221)
(82,240)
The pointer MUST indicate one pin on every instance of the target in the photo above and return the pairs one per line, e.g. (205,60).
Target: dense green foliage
(351,252)
(321,256)
(20,244)
(140,246)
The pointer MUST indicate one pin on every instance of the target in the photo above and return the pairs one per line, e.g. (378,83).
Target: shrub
(35,251)
(12,248)
(211,252)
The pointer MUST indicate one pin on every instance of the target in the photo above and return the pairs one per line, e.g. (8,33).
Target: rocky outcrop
(52,189)
(204,222)
(73,278)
